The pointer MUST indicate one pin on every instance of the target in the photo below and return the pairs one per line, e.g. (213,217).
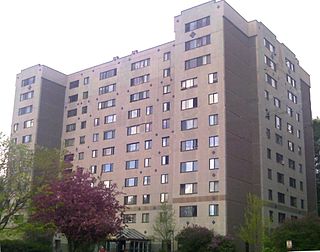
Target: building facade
(198,122)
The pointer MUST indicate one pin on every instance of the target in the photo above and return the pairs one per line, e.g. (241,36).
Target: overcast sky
(71,35)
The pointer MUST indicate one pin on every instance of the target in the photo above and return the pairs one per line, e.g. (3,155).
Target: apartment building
(198,122)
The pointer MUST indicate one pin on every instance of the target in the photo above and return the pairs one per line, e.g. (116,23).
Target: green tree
(304,234)
(253,229)
(164,226)
(316,133)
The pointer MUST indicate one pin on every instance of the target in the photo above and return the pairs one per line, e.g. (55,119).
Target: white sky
(70,35)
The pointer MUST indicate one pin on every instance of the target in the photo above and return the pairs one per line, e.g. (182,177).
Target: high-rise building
(198,122)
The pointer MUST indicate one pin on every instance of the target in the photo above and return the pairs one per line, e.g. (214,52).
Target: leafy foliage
(164,225)
(222,243)
(316,132)
(304,234)
(84,213)
(24,246)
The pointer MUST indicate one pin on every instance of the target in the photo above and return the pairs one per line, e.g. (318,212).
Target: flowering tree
(84,213)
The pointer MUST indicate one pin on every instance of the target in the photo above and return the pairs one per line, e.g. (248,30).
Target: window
(108,167)
(281,217)
(290,128)
(145,218)
(74,84)
(107,183)
(269,174)
(270,195)
(302,204)
(146,199)
(165,141)
(140,80)
(280,178)
(106,104)
(166,89)
(166,72)
(212,78)
(165,160)
(132,164)
(108,74)
(73,98)
(297,117)
(109,151)
(301,185)
(29,124)
(300,168)
(278,139)
(83,124)
(277,121)
(130,200)
(164,197)
(213,141)
(213,163)
(197,62)
(95,137)
(84,109)
(298,133)
(94,153)
(190,188)
(268,153)
(197,24)
(133,130)
(25,110)
(148,144)
(290,65)
(129,218)
(27,95)
(140,64)
(291,81)
(107,89)
(93,169)
(165,123)
(166,106)
(130,182)
(269,46)
(147,162)
(290,146)
(213,210)
(270,63)
(139,96)
(148,127)
(82,139)
(189,166)
(27,139)
(213,186)
(166,56)
(213,98)
(189,104)
(276,102)
(189,124)
(149,110)
(188,211)
(213,119)
(291,164)
(164,178)
(299,150)
(198,42)
(133,113)
(289,111)
(292,97)
(266,94)
(131,147)
(189,145)
(189,83)
(28,81)
(109,134)
(86,80)
(15,127)
(279,158)
(292,182)
(268,133)
(81,155)
(110,119)
(281,198)
(146,180)
(293,201)
(69,142)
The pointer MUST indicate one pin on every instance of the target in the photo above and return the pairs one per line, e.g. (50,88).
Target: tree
(194,238)
(15,180)
(82,209)
(222,243)
(252,231)
(316,132)
(304,234)
(164,225)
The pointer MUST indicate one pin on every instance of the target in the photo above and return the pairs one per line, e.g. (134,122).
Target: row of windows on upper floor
(292,182)
(274,83)
(290,128)
(185,84)
(184,211)
(282,199)
(279,158)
